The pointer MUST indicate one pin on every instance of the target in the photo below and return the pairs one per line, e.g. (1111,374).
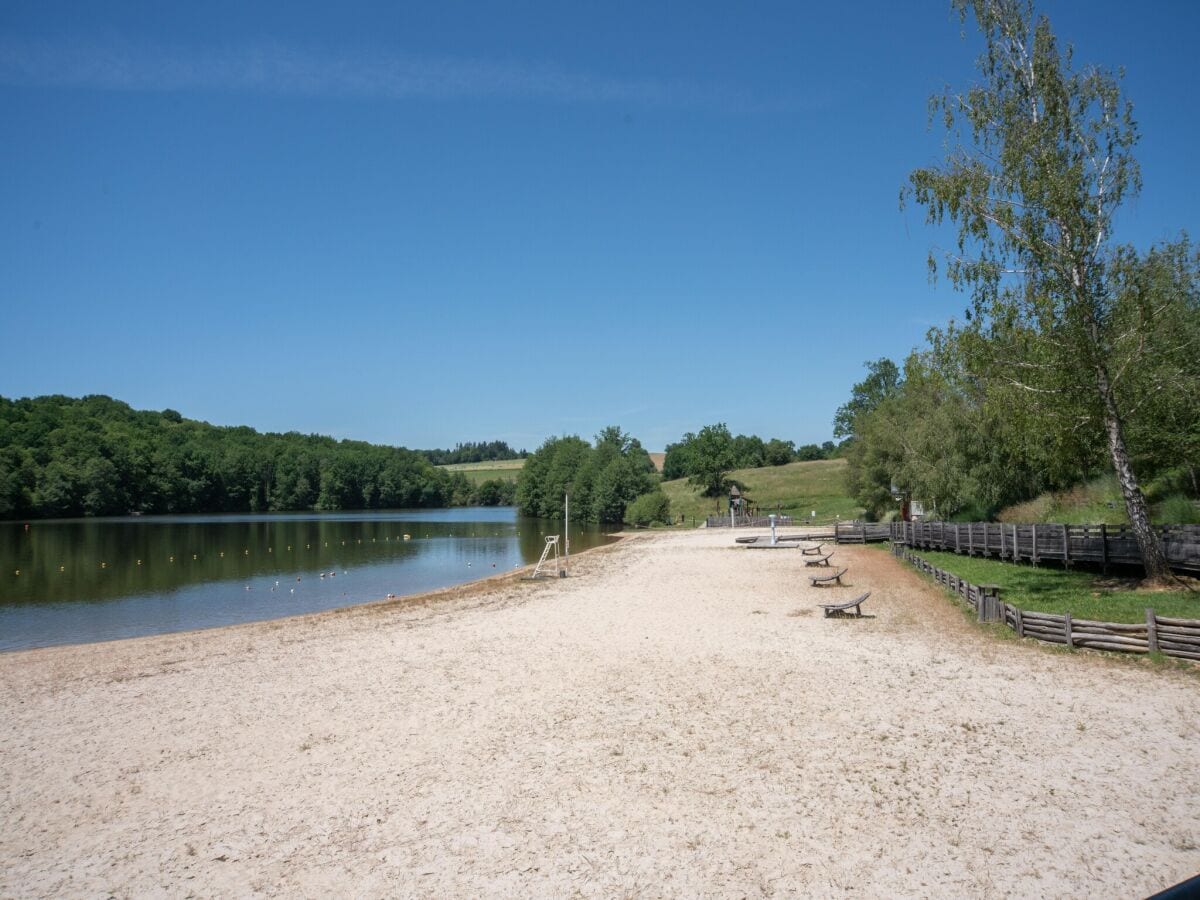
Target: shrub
(1178,510)
(648,509)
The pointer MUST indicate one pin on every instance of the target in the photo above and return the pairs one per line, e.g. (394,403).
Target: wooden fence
(747,521)
(1171,637)
(1098,544)
(861,532)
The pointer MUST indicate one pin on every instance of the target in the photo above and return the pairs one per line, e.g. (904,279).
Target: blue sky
(428,223)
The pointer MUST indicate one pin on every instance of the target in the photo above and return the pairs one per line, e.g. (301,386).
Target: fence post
(1067,630)
(1035,553)
(1151,631)
(1104,545)
(1020,621)
(1016,546)
(989,600)
(1066,546)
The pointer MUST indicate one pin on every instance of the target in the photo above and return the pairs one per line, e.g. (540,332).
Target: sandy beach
(674,719)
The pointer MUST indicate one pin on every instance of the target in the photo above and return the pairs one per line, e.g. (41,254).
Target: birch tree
(1039,157)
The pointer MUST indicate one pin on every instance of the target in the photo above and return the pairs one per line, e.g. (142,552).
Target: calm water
(100,579)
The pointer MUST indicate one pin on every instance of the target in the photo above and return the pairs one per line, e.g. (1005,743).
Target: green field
(797,489)
(492,470)
(1085,595)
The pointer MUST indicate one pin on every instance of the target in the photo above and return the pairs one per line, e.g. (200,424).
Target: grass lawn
(799,488)
(1085,595)
(497,470)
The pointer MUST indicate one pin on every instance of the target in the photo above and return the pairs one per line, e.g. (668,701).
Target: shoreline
(676,719)
(451,592)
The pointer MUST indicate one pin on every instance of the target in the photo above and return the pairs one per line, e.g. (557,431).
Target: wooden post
(1035,553)
(1151,631)
(1002,542)
(1067,630)
(1020,623)
(1016,546)
(957,543)
(1066,547)
(989,603)
(1104,546)
(970,539)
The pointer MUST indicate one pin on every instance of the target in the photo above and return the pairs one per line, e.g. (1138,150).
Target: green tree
(778,452)
(712,459)
(677,462)
(882,381)
(648,509)
(1032,183)
(809,452)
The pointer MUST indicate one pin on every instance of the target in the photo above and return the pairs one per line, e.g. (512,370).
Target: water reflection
(97,579)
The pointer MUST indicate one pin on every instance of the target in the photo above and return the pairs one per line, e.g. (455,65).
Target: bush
(1178,510)
(648,509)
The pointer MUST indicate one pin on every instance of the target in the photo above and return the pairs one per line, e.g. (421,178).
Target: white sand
(676,719)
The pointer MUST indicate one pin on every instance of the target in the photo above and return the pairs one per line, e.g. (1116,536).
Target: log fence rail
(1169,636)
(747,521)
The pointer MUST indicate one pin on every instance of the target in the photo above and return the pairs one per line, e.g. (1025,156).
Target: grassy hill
(1100,500)
(798,488)
(497,469)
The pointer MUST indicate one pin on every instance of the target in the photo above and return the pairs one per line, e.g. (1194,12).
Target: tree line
(471,452)
(706,458)
(96,456)
(602,479)
(614,479)
(1078,354)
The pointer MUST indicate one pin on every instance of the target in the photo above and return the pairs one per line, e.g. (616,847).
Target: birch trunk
(1153,559)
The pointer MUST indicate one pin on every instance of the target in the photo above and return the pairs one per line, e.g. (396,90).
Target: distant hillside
(798,489)
(95,456)
(491,470)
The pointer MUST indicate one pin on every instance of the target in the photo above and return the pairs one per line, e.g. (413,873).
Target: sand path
(674,720)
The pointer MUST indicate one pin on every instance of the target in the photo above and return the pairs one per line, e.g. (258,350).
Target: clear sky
(424,223)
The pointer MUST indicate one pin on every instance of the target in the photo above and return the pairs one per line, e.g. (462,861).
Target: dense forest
(94,456)
(603,480)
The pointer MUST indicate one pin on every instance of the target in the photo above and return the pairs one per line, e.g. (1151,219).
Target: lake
(76,581)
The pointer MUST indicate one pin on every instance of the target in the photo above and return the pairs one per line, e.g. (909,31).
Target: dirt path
(676,719)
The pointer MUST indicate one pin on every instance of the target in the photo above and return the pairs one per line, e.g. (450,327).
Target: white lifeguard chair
(551,547)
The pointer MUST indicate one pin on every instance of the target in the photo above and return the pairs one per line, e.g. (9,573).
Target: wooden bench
(812,551)
(819,560)
(828,580)
(840,609)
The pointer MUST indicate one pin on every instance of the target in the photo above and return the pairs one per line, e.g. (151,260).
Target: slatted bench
(828,580)
(837,610)
(819,560)
(812,551)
